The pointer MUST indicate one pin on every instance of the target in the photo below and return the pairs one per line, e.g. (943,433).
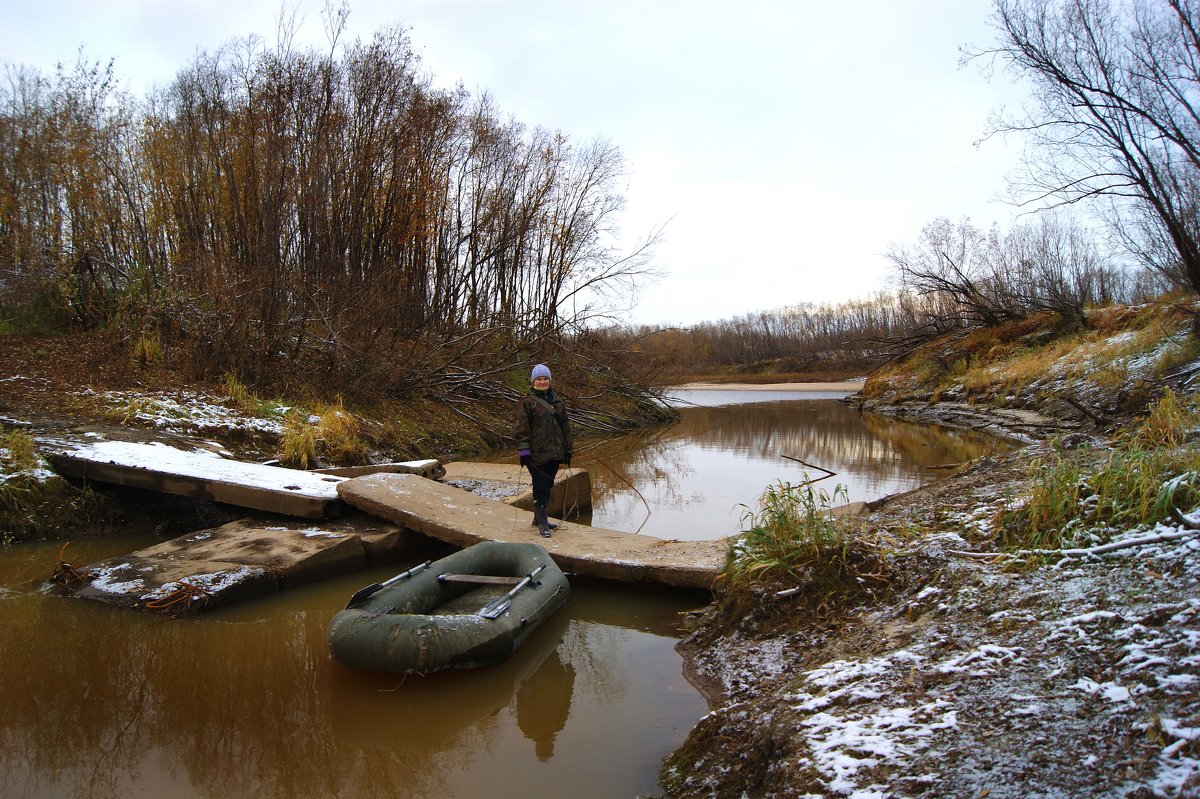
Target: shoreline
(853,385)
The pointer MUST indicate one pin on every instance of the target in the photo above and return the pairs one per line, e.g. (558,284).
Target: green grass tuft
(1151,472)
(792,541)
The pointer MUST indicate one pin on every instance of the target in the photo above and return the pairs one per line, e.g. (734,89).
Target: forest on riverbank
(329,224)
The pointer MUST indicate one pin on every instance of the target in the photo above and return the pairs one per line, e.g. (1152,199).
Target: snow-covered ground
(189,412)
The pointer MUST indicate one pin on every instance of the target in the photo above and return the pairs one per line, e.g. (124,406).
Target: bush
(793,541)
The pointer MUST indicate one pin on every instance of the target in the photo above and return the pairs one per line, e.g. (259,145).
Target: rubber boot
(539,518)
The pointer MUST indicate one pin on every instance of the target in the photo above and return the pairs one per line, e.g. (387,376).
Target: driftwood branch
(1102,549)
(1079,406)
(1185,521)
(621,477)
(828,473)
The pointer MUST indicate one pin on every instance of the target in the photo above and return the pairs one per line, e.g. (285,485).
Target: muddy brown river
(246,701)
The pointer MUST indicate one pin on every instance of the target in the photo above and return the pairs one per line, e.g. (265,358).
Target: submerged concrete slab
(199,474)
(241,560)
(172,586)
(461,518)
(294,556)
(571,495)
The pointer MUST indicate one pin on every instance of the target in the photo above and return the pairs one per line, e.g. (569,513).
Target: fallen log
(1101,549)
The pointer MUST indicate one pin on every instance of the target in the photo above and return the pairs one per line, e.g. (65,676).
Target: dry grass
(339,434)
(17,451)
(1151,472)
(298,444)
(793,541)
(148,349)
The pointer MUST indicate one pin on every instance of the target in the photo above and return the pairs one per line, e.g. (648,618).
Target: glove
(525,460)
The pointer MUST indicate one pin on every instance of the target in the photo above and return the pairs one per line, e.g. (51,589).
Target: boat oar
(493,609)
(362,594)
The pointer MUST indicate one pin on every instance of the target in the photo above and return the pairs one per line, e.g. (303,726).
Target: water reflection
(544,703)
(103,702)
(700,475)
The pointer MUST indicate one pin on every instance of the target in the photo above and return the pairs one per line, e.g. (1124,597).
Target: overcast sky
(785,145)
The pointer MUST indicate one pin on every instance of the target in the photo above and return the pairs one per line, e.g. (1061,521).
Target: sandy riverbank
(854,385)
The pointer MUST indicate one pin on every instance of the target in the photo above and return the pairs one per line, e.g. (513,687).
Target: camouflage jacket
(542,427)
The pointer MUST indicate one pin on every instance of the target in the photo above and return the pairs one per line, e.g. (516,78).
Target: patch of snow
(188,412)
(205,465)
(1106,690)
(843,745)
(213,582)
(1176,730)
(104,579)
(317,533)
(982,660)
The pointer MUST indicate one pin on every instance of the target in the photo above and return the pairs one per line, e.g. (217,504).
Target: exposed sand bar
(853,385)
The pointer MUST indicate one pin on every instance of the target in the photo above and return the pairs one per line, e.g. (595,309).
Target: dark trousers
(543,481)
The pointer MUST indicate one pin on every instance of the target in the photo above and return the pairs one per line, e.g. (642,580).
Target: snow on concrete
(204,465)
(211,582)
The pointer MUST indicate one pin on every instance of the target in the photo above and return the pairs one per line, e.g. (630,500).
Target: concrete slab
(431,468)
(461,518)
(157,584)
(199,474)
(295,556)
(242,560)
(571,495)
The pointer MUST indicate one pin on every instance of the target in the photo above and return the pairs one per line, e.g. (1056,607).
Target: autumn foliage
(273,212)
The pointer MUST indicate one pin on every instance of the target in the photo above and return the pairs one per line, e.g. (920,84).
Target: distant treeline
(276,210)
(333,217)
(957,276)
(841,338)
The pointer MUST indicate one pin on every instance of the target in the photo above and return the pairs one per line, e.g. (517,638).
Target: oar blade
(363,594)
(494,610)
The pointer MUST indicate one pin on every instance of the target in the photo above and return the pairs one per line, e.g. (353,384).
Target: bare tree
(957,262)
(1116,115)
(1054,263)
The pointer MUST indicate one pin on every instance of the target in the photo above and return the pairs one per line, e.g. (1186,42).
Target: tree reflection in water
(701,473)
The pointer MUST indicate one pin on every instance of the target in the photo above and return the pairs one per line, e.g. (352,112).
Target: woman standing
(543,437)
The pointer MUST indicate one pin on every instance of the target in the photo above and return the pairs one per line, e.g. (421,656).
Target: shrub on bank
(793,542)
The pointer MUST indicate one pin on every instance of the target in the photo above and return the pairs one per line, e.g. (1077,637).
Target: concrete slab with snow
(430,467)
(295,556)
(199,474)
(571,495)
(462,518)
(170,586)
(241,560)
